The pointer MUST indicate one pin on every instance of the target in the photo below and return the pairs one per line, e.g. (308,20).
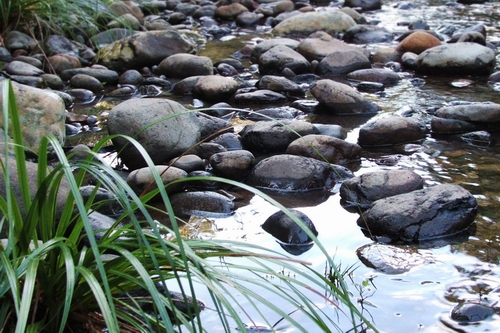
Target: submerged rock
(202,203)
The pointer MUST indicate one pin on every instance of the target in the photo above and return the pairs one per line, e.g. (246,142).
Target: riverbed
(458,269)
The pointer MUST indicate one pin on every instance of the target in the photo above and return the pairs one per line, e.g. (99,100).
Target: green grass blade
(27,297)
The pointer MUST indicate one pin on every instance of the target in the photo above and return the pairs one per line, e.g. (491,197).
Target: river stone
(231,141)
(280,57)
(230,12)
(182,65)
(329,21)
(457,58)
(466,118)
(85,81)
(433,212)
(23,68)
(319,44)
(261,96)
(268,44)
(388,131)
(292,174)
(171,134)
(188,163)
(5,55)
(363,190)
(325,148)
(206,149)
(381,75)
(365,5)
(56,44)
(202,203)
(367,34)
(212,125)
(41,113)
(108,203)
(343,62)
(142,180)
(280,84)
(127,7)
(391,259)
(109,36)
(274,136)
(131,76)
(58,63)
(233,164)
(105,76)
(469,312)
(339,98)
(272,113)
(32,175)
(143,49)
(17,40)
(214,88)
(291,237)
(417,42)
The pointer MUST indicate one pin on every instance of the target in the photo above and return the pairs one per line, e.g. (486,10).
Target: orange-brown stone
(417,42)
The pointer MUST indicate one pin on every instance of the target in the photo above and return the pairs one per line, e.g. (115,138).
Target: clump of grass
(56,276)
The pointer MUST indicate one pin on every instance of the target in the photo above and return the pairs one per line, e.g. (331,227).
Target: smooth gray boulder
(329,21)
(363,190)
(143,49)
(214,88)
(388,131)
(433,212)
(182,65)
(294,174)
(339,98)
(160,125)
(342,62)
(274,136)
(457,58)
(325,148)
(233,164)
(202,203)
(274,61)
(142,180)
(466,118)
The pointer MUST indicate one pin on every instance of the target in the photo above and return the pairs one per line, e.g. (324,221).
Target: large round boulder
(280,57)
(390,131)
(464,118)
(161,126)
(325,148)
(339,98)
(330,21)
(458,58)
(433,212)
(291,174)
(182,65)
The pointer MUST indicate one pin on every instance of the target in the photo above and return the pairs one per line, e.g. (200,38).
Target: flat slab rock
(430,213)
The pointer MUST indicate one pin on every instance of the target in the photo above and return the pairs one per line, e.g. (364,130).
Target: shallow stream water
(457,269)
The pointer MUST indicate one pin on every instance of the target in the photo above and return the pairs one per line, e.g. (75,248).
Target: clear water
(461,269)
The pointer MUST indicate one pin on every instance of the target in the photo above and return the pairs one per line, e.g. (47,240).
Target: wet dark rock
(188,163)
(272,113)
(280,57)
(131,76)
(304,24)
(365,5)
(367,34)
(164,140)
(207,185)
(123,91)
(325,148)
(206,149)
(33,81)
(433,212)
(109,36)
(478,138)
(107,203)
(226,70)
(392,259)
(343,62)
(363,190)
(233,164)
(249,19)
(56,44)
(202,203)
(290,174)
(339,98)
(392,130)
(381,75)
(230,141)
(81,96)
(274,136)
(221,110)
(30,60)
(263,96)
(182,65)
(471,312)
(291,237)
(17,40)
(5,55)
(458,58)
